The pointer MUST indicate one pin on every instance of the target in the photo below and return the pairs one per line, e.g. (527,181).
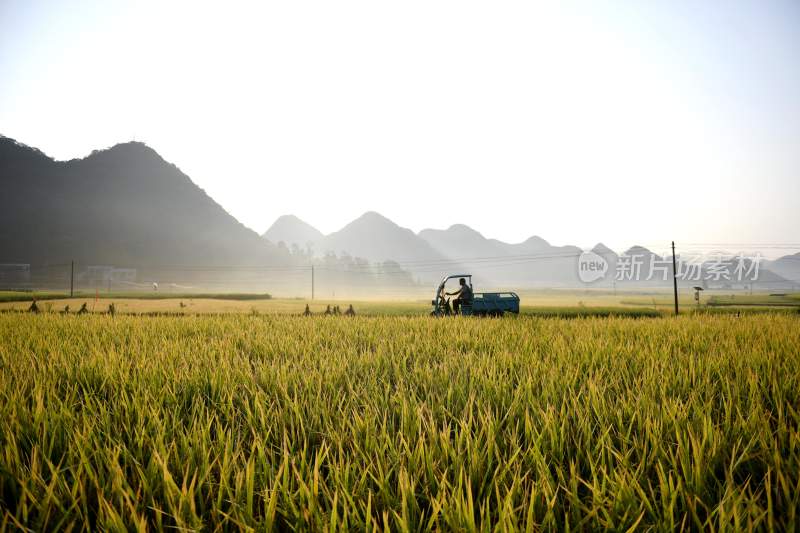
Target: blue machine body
(483,303)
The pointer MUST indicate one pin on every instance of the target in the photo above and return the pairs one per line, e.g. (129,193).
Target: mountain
(376,238)
(741,271)
(124,206)
(460,241)
(787,267)
(642,252)
(529,263)
(611,258)
(535,245)
(640,266)
(291,230)
(604,251)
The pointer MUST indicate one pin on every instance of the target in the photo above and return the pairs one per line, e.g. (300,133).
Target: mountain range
(431,253)
(788,267)
(531,263)
(128,206)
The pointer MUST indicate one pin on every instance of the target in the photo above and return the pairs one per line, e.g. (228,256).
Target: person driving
(464,295)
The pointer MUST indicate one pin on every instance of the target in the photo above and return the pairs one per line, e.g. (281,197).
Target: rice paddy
(262,421)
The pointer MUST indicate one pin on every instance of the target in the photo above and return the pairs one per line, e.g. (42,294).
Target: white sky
(580,123)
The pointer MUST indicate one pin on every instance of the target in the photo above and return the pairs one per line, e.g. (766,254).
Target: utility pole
(71,279)
(312,282)
(675,277)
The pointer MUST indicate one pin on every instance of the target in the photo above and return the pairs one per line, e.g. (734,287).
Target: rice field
(401,423)
(544,301)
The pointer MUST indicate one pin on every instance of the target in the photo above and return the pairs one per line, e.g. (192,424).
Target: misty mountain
(529,263)
(725,271)
(640,266)
(496,264)
(376,238)
(291,230)
(787,267)
(123,206)
(734,271)
(460,241)
(606,253)
(126,206)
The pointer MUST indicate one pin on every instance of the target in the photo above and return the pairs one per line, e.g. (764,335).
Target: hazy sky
(580,122)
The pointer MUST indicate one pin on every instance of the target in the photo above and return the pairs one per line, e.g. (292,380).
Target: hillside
(529,263)
(290,230)
(788,267)
(122,206)
(499,265)
(376,238)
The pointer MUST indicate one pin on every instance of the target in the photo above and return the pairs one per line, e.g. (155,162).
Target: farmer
(464,295)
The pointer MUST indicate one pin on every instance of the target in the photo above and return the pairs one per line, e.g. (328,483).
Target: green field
(399,423)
